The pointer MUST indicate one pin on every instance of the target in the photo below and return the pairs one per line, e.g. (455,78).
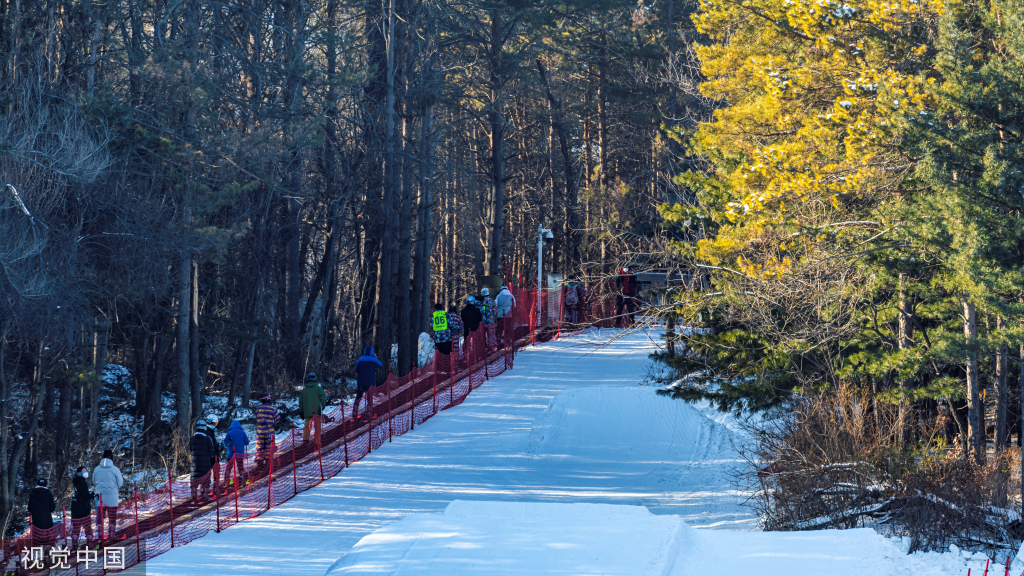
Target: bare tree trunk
(184,392)
(425,229)
(602,136)
(904,344)
(1002,394)
(496,121)
(387,267)
(975,435)
(196,378)
(247,381)
(102,331)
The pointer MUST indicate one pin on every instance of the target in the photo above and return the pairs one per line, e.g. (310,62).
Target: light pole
(542,234)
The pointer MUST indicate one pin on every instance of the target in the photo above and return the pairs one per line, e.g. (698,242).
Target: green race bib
(440,321)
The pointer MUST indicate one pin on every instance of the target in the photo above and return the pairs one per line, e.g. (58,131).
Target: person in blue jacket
(236,442)
(366,376)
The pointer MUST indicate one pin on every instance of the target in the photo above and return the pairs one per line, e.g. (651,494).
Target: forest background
(222,196)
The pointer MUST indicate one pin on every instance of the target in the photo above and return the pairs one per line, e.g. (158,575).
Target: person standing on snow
(456,327)
(107,480)
(312,399)
(41,506)
(471,316)
(487,311)
(504,302)
(442,335)
(626,298)
(267,418)
(211,432)
(203,460)
(81,506)
(366,377)
(236,442)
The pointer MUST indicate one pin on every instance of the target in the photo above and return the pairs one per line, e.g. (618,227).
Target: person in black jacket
(211,432)
(203,460)
(471,316)
(41,506)
(81,506)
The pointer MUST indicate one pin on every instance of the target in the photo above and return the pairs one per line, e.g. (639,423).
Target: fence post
(138,539)
(295,471)
(319,454)
(344,433)
(270,476)
(216,494)
(170,504)
(391,432)
(433,379)
(235,456)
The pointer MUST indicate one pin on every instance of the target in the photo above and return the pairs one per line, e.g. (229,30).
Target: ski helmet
(485,292)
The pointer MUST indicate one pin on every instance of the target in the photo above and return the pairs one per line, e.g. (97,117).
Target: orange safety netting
(151,523)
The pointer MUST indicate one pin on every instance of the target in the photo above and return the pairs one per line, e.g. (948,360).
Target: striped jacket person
(267,418)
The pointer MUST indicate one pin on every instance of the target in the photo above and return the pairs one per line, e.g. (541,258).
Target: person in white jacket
(107,480)
(505,302)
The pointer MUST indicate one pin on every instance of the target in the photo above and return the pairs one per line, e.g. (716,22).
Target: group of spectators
(484,311)
(206,451)
(107,481)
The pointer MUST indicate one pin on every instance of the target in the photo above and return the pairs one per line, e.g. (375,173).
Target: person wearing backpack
(442,335)
(312,399)
(203,460)
(366,378)
(456,326)
(236,442)
(487,311)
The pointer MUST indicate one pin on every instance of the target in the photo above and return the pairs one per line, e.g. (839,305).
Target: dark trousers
(444,347)
(627,304)
(79,525)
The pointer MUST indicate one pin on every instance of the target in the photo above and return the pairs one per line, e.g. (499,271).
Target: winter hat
(485,292)
(42,481)
(80,469)
(266,398)
(201,424)
(108,453)
(311,377)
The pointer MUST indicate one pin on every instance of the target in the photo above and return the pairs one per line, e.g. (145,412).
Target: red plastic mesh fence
(151,523)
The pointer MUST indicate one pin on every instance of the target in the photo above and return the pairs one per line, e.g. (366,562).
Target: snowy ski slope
(568,425)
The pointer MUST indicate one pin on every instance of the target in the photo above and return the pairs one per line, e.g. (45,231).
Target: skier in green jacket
(312,399)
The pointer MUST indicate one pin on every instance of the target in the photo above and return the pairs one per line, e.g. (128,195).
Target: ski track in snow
(570,424)
(481,451)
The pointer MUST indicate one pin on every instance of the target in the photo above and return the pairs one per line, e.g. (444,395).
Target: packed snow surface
(570,424)
(520,538)
(513,539)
